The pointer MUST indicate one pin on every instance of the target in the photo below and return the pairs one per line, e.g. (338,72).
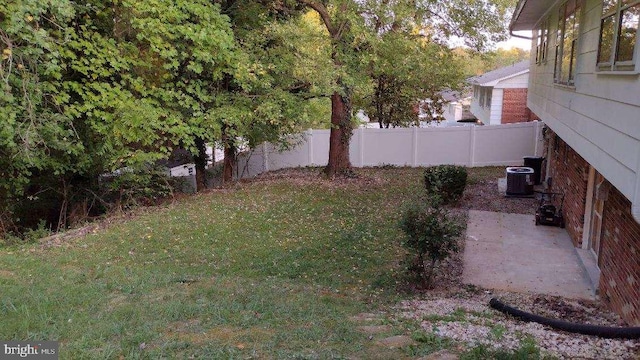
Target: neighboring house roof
(528,12)
(494,77)
(449,95)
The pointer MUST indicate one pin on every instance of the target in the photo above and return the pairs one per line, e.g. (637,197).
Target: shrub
(431,234)
(446,181)
(144,186)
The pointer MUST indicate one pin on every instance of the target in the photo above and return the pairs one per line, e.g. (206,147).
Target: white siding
(517,82)
(496,107)
(600,116)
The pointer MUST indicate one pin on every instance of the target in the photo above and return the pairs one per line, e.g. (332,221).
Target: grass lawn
(268,269)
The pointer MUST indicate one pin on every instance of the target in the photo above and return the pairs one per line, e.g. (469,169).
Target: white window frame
(612,64)
(542,42)
(561,35)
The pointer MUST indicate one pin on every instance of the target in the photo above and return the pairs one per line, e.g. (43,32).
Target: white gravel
(470,321)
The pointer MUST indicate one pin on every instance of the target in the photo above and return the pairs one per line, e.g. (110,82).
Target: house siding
(494,115)
(496,107)
(600,116)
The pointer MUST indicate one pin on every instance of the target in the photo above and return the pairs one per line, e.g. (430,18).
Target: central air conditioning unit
(520,181)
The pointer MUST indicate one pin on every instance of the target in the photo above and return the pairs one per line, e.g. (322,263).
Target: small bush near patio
(431,234)
(446,181)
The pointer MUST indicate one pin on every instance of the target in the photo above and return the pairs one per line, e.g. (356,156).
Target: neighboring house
(500,96)
(585,85)
(456,107)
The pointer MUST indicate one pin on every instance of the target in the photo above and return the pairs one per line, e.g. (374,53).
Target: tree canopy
(92,87)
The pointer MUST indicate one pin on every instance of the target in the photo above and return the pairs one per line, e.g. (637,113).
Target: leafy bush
(133,187)
(446,181)
(431,233)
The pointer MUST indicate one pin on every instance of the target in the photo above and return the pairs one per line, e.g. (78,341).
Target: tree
(477,63)
(267,98)
(406,70)
(353,26)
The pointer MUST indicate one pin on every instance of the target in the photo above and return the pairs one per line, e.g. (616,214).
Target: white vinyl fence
(469,146)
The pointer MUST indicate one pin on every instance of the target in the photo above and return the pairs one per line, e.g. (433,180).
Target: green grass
(269,269)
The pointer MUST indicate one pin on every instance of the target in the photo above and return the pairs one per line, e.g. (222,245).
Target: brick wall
(514,106)
(570,175)
(620,258)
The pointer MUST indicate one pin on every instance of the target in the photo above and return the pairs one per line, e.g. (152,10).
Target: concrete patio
(508,252)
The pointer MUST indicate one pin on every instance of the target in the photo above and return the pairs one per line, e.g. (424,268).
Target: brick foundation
(570,175)
(619,258)
(514,107)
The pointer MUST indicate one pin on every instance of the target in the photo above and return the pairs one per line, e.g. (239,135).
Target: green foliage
(446,182)
(476,63)
(431,233)
(131,187)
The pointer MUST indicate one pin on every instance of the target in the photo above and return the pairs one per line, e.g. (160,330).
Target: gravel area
(462,313)
(467,319)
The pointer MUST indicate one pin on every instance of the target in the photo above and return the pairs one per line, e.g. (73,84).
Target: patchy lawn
(286,266)
(271,268)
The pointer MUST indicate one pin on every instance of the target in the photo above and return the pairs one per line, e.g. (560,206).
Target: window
(487,100)
(543,41)
(567,42)
(481,101)
(618,34)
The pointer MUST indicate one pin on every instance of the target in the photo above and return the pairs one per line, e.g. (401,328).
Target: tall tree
(354,24)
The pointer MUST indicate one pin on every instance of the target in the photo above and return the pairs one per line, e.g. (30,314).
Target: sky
(517,42)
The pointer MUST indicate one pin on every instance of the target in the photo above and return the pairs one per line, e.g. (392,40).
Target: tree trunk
(229,157)
(200,161)
(341,131)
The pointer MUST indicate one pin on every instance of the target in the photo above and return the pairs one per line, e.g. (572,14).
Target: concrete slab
(508,252)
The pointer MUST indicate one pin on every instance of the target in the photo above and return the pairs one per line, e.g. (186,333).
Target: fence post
(472,145)
(414,160)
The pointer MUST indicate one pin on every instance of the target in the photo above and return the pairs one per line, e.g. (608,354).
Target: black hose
(585,329)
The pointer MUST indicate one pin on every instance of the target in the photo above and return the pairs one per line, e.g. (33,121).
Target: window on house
(481,101)
(487,100)
(542,43)
(567,42)
(618,34)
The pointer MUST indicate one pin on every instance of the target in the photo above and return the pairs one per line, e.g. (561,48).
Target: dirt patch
(192,331)
(303,177)
(6,274)
(483,195)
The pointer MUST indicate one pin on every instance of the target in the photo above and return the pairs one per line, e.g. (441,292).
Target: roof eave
(496,81)
(528,14)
